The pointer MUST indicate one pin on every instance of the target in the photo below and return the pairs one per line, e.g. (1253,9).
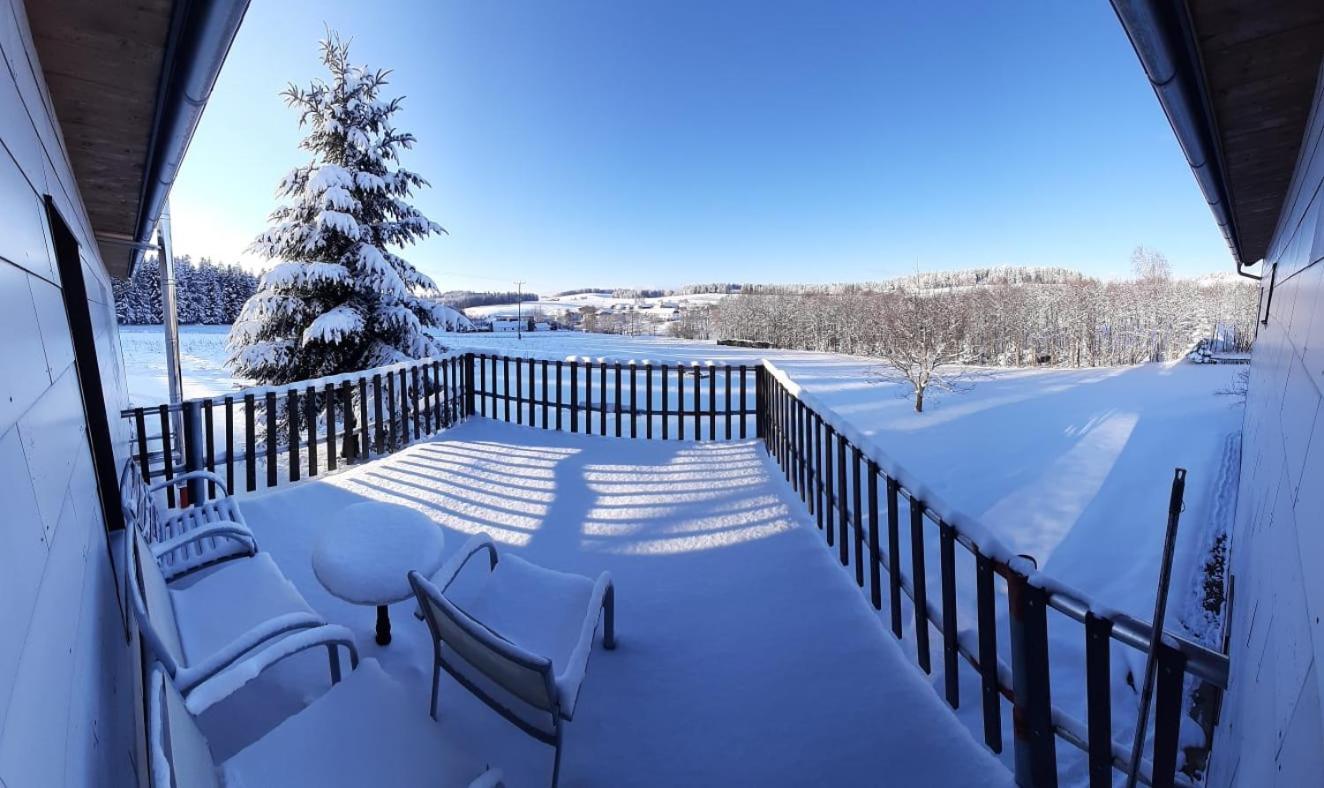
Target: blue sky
(576,144)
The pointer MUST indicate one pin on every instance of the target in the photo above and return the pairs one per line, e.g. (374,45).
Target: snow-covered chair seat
(364,731)
(519,639)
(137,498)
(216,632)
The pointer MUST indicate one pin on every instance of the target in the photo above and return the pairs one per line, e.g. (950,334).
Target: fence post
(192,451)
(1032,708)
(760,400)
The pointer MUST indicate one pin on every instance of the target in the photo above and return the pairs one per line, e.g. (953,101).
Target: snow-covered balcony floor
(745,656)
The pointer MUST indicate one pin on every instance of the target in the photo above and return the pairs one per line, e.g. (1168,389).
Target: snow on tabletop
(365,555)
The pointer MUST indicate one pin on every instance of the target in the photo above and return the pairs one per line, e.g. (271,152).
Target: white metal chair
(366,730)
(218,632)
(521,641)
(137,499)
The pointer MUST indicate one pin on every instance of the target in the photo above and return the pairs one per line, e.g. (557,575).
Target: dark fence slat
(250,443)
(947,578)
(698,415)
(602,398)
(856,510)
(875,562)
(648,400)
(728,402)
(404,409)
(140,430)
(666,401)
(391,403)
(209,444)
(1098,698)
(229,444)
(545,396)
(1171,671)
(987,628)
(428,395)
(532,407)
(843,510)
(617,407)
(829,485)
(418,401)
(330,410)
(292,420)
(167,453)
(310,414)
(519,392)
(588,398)
(894,553)
(559,396)
(712,402)
(634,400)
(918,585)
(271,440)
(820,480)
(482,384)
(1032,711)
(744,402)
(379,422)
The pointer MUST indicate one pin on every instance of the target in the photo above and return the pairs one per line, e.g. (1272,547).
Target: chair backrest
(179,753)
(139,510)
(150,598)
(526,676)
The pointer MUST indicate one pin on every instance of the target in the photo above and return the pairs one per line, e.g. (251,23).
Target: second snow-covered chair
(225,626)
(137,499)
(518,638)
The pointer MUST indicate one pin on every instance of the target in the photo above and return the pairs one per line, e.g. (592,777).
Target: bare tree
(922,338)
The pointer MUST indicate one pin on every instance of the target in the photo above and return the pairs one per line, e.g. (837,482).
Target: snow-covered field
(202,357)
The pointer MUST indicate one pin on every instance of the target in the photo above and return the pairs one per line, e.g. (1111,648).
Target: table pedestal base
(383,625)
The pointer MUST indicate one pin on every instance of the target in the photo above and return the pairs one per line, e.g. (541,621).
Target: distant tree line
(207,292)
(463,299)
(1006,317)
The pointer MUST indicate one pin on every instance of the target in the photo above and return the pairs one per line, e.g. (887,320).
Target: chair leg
(436,681)
(334,657)
(556,758)
(609,618)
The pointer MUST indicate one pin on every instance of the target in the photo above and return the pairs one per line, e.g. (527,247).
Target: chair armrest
(446,575)
(451,569)
(189,677)
(601,602)
(220,529)
(221,685)
(190,476)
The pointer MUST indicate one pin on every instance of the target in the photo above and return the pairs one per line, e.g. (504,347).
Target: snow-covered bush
(337,299)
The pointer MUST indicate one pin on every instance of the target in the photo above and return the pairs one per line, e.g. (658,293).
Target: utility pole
(519,310)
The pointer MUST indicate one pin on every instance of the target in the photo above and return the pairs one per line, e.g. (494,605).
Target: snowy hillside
(559,305)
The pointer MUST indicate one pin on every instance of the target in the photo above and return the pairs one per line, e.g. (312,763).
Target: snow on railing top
(610,359)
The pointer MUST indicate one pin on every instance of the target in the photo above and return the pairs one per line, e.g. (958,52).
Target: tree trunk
(919,400)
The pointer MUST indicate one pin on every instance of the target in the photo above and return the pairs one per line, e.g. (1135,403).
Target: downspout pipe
(201,32)
(1162,35)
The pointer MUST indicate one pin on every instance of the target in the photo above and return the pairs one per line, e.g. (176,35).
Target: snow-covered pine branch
(337,299)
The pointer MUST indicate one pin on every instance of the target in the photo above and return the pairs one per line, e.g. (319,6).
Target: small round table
(364,556)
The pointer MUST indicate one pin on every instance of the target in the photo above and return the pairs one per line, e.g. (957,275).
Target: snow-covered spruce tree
(337,299)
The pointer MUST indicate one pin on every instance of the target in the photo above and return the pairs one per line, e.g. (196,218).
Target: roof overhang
(1236,80)
(129,81)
